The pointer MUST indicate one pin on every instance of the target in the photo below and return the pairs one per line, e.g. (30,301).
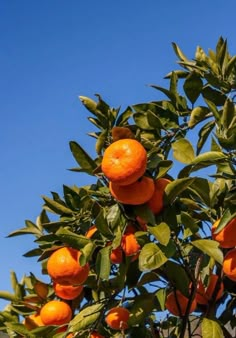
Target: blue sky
(53,51)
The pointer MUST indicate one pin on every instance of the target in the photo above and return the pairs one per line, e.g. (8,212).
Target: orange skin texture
(124,161)
(156,202)
(203,296)
(116,255)
(129,244)
(56,312)
(227,236)
(172,307)
(67,292)
(33,321)
(136,193)
(117,318)
(95,334)
(91,231)
(64,268)
(229,264)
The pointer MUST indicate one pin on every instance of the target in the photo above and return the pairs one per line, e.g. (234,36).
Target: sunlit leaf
(183,151)
(209,247)
(211,329)
(151,257)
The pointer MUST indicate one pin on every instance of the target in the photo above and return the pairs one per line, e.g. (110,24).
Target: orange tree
(139,240)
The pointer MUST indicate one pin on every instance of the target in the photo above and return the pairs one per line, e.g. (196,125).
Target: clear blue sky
(53,51)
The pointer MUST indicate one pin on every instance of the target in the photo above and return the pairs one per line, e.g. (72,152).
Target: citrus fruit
(55,312)
(116,255)
(33,321)
(68,292)
(176,303)
(156,202)
(124,161)
(64,268)
(91,231)
(227,236)
(117,318)
(204,295)
(229,264)
(129,244)
(95,334)
(136,193)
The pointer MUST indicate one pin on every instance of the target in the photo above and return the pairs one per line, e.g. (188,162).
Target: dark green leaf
(58,208)
(82,158)
(175,188)
(69,237)
(103,264)
(193,86)
(85,318)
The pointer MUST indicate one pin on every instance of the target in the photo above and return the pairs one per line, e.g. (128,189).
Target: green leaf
(211,329)
(213,95)
(82,158)
(213,109)
(228,113)
(69,237)
(183,151)
(178,277)
(103,264)
(227,216)
(179,52)
(197,115)
(142,306)
(203,135)
(161,232)
(161,298)
(58,208)
(193,86)
(151,257)
(90,104)
(201,188)
(175,188)
(209,247)
(8,296)
(85,318)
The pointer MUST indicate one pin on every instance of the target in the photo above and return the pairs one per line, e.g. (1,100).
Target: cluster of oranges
(68,277)
(124,164)
(227,240)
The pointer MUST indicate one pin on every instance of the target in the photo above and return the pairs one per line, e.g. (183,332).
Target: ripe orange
(227,236)
(91,231)
(124,161)
(33,321)
(229,264)
(64,268)
(136,193)
(67,292)
(129,244)
(56,312)
(203,296)
(176,303)
(95,334)
(116,255)
(156,202)
(117,318)
(41,289)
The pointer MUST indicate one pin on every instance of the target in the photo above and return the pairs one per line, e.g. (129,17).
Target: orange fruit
(203,296)
(129,244)
(91,231)
(229,264)
(176,303)
(95,334)
(227,236)
(68,292)
(64,268)
(41,289)
(156,202)
(116,255)
(33,321)
(124,161)
(136,193)
(56,312)
(117,318)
